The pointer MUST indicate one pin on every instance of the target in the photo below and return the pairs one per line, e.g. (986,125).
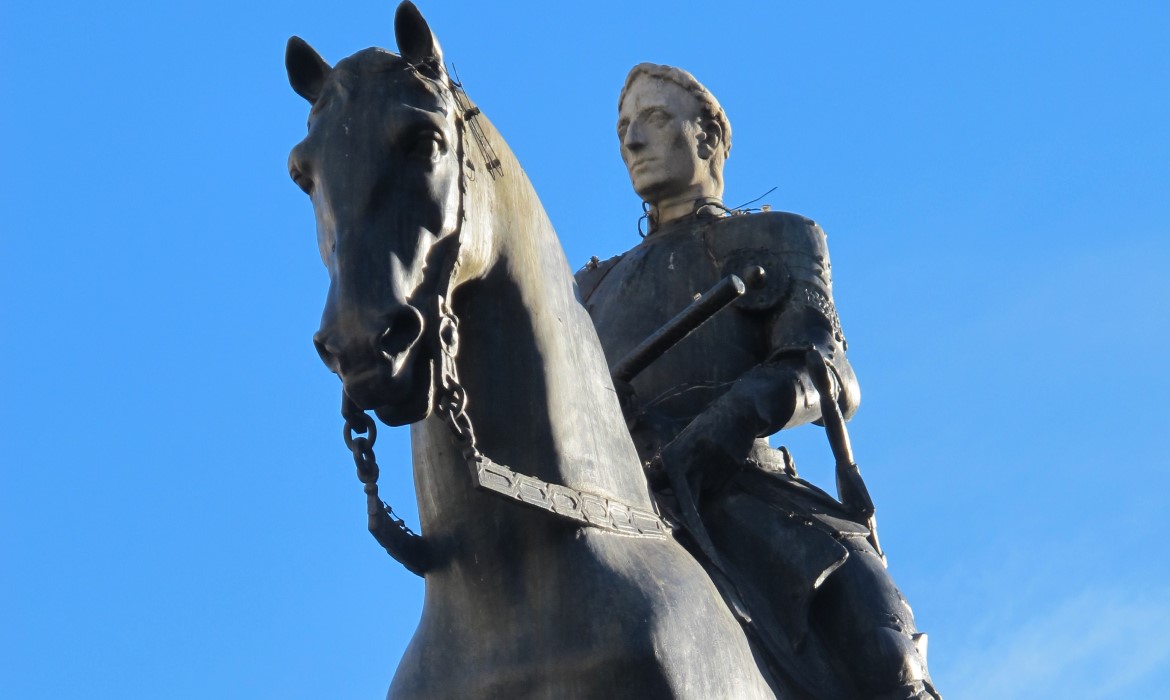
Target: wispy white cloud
(1098,644)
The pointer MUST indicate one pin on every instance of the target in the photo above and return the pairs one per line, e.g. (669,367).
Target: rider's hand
(702,456)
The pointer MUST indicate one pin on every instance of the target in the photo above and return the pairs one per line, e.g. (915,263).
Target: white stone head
(674,138)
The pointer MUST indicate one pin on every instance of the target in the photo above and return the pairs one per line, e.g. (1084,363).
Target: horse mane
(507,232)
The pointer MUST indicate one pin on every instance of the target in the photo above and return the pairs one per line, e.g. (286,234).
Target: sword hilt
(851,489)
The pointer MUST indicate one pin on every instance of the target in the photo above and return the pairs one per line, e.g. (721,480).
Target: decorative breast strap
(579,506)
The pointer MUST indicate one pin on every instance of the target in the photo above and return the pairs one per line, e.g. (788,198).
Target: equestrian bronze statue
(553,569)
(451,307)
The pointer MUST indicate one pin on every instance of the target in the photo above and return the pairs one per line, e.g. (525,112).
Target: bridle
(360,433)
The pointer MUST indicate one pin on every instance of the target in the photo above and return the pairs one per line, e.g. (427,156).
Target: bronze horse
(451,308)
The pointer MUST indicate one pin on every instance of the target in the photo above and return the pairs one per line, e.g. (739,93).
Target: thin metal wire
(743,207)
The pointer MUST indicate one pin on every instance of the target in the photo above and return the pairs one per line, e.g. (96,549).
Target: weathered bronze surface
(807,567)
(451,307)
(553,570)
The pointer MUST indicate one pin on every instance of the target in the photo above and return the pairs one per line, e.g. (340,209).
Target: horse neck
(538,387)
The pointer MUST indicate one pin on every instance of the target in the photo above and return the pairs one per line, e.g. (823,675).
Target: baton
(696,314)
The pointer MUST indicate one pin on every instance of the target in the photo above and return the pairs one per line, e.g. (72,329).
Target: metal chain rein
(360,432)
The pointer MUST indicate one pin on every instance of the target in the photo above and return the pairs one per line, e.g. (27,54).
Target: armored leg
(862,614)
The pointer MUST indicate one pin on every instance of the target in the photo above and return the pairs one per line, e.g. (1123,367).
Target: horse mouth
(397,397)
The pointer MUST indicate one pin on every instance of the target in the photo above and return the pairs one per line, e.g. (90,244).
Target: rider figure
(796,559)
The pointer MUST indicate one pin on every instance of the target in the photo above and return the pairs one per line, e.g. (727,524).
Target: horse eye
(301,179)
(428,145)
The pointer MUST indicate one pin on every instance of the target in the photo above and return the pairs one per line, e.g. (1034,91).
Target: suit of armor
(794,558)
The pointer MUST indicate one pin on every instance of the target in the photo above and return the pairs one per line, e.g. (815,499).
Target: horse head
(382,164)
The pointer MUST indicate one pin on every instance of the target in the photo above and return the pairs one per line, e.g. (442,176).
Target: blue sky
(179,518)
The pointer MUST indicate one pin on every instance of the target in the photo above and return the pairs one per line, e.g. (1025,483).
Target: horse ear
(306,69)
(416,41)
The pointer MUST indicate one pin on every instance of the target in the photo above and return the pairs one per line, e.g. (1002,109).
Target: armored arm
(778,393)
(806,319)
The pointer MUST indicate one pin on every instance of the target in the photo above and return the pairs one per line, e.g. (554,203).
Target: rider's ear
(710,138)
(416,41)
(306,69)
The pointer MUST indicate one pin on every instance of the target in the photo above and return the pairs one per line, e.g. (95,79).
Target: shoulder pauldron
(589,277)
(790,248)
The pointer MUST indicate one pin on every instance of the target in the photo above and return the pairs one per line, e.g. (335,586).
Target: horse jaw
(418,404)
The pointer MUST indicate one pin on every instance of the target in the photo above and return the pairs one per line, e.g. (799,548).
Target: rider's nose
(633,141)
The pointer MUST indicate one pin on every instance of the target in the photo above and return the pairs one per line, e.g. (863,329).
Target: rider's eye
(301,179)
(658,118)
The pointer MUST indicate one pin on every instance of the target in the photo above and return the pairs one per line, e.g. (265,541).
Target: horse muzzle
(380,363)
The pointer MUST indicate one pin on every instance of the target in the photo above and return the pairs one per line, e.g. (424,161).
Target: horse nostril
(403,332)
(328,356)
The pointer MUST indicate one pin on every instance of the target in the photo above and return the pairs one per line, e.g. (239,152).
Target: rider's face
(659,129)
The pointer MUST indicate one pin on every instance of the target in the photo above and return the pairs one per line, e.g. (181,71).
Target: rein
(360,431)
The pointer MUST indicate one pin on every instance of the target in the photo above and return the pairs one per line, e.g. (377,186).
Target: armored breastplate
(632,296)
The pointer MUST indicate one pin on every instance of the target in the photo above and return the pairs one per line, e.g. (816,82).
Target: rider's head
(674,137)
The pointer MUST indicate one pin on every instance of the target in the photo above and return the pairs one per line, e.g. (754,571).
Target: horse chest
(593,615)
